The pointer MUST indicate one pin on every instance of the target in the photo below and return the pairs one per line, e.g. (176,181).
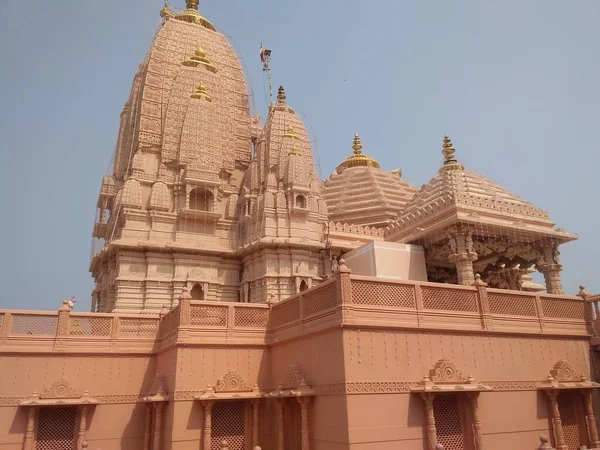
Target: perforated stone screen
(568,416)
(228,424)
(447,422)
(56,428)
(293,425)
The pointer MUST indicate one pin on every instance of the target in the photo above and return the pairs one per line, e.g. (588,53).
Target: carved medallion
(446,372)
(60,389)
(232,382)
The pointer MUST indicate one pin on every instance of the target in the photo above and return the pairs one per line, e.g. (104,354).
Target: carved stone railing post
(31,416)
(157,438)
(255,406)
(184,307)
(474,396)
(82,425)
(62,327)
(344,291)
(559,435)
(305,426)
(484,305)
(591,418)
(207,425)
(431,429)
(544,444)
(588,310)
(280,429)
(540,312)
(148,427)
(419,302)
(6,324)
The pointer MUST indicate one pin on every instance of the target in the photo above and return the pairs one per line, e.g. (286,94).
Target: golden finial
(450,162)
(200,57)
(281,95)
(290,133)
(192,4)
(358,159)
(356,145)
(201,92)
(294,151)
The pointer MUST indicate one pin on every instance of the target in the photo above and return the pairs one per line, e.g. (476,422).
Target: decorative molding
(513,385)
(445,371)
(232,382)
(60,389)
(562,371)
(159,385)
(294,378)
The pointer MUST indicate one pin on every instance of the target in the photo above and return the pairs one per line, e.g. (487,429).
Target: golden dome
(358,159)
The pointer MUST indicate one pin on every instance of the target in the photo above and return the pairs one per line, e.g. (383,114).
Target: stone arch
(300,201)
(303,285)
(197,292)
(201,199)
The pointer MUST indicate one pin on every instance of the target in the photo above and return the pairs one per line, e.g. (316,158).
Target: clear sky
(514,83)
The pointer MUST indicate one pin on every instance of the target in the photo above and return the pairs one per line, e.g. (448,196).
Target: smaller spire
(450,161)
(192,4)
(281,95)
(356,145)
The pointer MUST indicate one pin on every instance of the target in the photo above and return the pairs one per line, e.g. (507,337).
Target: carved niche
(294,378)
(60,389)
(232,382)
(445,371)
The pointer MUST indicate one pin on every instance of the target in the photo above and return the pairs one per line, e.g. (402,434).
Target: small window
(301,201)
(197,292)
(201,199)
(303,285)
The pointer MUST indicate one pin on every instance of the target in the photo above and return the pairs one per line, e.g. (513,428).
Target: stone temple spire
(281,95)
(450,161)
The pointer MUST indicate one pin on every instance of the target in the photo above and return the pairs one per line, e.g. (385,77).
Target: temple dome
(361,193)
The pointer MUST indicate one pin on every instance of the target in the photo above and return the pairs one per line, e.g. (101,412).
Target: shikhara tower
(202,196)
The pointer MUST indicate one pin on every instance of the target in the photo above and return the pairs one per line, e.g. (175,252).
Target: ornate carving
(562,371)
(446,372)
(232,382)
(60,389)
(294,378)
(159,385)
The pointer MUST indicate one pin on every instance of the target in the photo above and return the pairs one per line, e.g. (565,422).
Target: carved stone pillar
(304,410)
(462,256)
(280,425)
(82,425)
(207,424)
(157,438)
(431,429)
(591,419)
(148,427)
(474,396)
(31,415)
(255,405)
(559,435)
(550,267)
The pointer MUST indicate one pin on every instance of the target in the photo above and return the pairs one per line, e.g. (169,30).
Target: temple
(242,302)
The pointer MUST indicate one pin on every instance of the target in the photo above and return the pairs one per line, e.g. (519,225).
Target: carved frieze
(232,382)
(60,389)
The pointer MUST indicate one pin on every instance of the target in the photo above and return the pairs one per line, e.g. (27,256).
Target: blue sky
(514,84)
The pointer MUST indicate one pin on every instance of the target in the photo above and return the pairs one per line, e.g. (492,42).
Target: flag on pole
(262,53)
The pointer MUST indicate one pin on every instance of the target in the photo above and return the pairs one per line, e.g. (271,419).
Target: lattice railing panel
(285,312)
(383,294)
(90,326)
(34,324)
(56,428)
(320,299)
(512,305)
(140,328)
(448,423)
(251,317)
(568,417)
(208,315)
(449,299)
(563,308)
(228,424)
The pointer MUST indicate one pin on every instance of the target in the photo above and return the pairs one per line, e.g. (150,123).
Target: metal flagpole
(265,57)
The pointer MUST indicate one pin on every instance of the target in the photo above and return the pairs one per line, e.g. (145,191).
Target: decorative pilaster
(589,313)
(31,415)
(207,424)
(157,438)
(280,426)
(344,291)
(474,398)
(431,429)
(148,427)
(549,265)
(591,419)
(559,435)
(484,305)
(184,307)
(62,327)
(255,405)
(304,410)
(82,425)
